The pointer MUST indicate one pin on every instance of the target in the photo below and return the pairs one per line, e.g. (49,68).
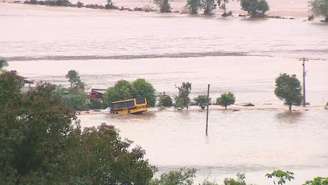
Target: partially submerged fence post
(207,107)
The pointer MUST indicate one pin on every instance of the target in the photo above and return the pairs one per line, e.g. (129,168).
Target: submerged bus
(130,106)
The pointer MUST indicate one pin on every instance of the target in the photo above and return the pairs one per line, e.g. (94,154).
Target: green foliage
(165,100)
(41,145)
(317,181)
(144,89)
(123,90)
(288,89)
(182,100)
(163,5)
(320,7)
(74,99)
(202,101)
(193,6)
(180,177)
(3,63)
(206,182)
(105,159)
(208,6)
(255,7)
(226,99)
(239,181)
(280,177)
(74,80)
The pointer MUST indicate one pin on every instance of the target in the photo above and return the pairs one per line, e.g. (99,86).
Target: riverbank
(282,8)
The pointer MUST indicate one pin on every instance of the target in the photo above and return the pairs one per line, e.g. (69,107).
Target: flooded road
(243,56)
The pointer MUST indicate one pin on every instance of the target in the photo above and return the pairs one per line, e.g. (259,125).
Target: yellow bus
(130,106)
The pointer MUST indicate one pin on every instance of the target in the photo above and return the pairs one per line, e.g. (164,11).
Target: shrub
(193,6)
(163,5)
(165,100)
(226,99)
(202,101)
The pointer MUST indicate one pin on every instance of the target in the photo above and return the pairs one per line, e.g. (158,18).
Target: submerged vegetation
(288,89)
(320,8)
(226,99)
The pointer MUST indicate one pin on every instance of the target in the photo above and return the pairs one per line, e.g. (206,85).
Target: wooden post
(304,80)
(207,108)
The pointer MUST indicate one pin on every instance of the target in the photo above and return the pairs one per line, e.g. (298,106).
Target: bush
(73,99)
(202,101)
(165,100)
(255,8)
(226,99)
(179,177)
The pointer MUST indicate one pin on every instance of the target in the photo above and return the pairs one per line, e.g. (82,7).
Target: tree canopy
(288,88)
(123,90)
(74,80)
(226,99)
(255,7)
(42,143)
(202,101)
(165,100)
(182,100)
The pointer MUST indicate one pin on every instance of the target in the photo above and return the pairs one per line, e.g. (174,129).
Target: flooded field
(243,56)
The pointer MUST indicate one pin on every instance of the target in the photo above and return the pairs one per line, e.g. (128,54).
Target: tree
(163,5)
(288,88)
(317,181)
(183,100)
(3,63)
(226,99)
(74,80)
(109,4)
(123,90)
(39,143)
(165,100)
(202,101)
(255,8)
(144,89)
(280,177)
(239,181)
(320,8)
(73,99)
(208,6)
(180,177)
(193,6)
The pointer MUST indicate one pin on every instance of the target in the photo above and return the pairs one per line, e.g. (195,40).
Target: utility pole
(207,107)
(304,80)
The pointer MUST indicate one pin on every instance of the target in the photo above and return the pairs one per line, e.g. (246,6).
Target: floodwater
(243,56)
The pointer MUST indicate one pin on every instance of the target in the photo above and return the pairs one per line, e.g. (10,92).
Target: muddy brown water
(235,54)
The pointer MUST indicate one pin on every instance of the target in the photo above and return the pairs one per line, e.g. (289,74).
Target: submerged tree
(202,101)
(226,99)
(255,8)
(74,80)
(208,6)
(280,177)
(288,89)
(3,63)
(165,100)
(320,8)
(182,100)
(164,5)
(193,6)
